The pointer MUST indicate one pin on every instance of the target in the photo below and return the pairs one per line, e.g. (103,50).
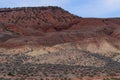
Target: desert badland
(49,43)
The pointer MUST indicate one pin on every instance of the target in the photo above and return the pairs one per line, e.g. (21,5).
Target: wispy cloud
(97,8)
(112,4)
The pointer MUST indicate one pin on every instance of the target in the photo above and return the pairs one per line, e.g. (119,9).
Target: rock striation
(50,42)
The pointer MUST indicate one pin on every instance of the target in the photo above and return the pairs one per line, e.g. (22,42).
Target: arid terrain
(49,43)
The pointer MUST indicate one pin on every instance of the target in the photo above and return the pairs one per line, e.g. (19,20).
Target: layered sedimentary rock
(41,38)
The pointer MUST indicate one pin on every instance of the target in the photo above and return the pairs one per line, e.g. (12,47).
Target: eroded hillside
(49,42)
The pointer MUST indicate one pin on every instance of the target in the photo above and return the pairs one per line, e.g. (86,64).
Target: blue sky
(83,8)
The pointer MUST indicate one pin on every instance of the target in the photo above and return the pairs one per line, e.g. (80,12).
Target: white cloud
(112,4)
(97,8)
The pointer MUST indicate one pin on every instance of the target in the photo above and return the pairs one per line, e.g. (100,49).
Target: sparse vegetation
(112,79)
(49,43)
(16,67)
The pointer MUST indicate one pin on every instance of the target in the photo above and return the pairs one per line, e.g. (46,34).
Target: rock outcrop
(35,39)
